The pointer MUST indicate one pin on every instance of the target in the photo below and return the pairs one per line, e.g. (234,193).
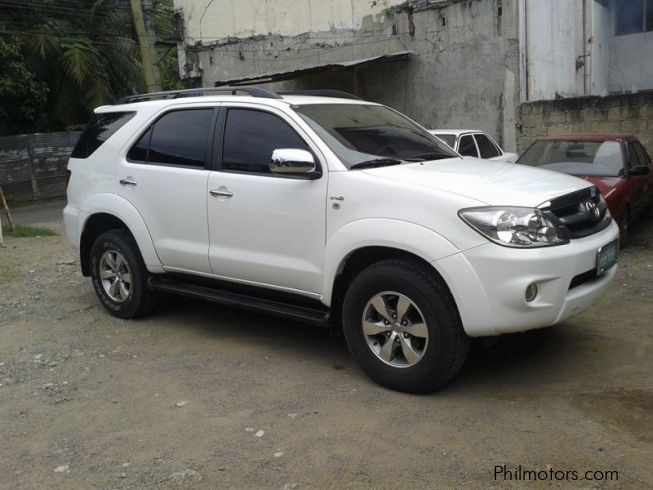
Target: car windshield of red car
(591,158)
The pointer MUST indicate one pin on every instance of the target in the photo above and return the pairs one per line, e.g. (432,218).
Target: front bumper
(489,282)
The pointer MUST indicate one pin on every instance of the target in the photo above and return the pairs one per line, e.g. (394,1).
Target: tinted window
(467,147)
(643,156)
(636,156)
(180,138)
(100,129)
(250,137)
(595,158)
(359,133)
(486,147)
(138,152)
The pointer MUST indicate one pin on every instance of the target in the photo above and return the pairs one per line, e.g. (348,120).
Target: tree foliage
(71,56)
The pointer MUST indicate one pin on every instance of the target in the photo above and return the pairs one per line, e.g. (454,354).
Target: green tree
(22,94)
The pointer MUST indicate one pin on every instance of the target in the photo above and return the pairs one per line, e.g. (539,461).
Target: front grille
(579,214)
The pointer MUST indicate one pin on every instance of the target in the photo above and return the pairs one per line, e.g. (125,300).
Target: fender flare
(126,212)
(380,232)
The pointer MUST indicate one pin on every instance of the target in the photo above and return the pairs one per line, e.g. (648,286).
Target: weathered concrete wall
(628,113)
(554,38)
(463,72)
(210,20)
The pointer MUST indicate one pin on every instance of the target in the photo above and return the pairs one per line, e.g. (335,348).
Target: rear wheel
(119,275)
(402,326)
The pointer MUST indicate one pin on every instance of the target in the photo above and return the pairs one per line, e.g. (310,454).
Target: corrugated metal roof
(321,67)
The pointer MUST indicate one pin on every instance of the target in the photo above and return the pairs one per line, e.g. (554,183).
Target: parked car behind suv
(334,211)
(615,163)
(473,143)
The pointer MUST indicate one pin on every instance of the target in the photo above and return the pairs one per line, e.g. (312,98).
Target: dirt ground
(199,396)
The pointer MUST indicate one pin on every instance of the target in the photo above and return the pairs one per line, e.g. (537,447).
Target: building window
(633,16)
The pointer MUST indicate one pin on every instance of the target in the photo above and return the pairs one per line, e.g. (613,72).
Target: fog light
(531,292)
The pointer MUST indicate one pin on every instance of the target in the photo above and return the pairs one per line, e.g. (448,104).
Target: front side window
(591,158)
(467,146)
(180,138)
(250,137)
(99,130)
(369,135)
(486,147)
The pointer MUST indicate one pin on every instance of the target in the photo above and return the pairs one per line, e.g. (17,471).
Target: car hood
(489,182)
(607,185)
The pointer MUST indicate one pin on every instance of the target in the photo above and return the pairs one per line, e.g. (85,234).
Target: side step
(301,313)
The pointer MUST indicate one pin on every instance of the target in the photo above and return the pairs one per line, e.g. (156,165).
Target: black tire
(447,346)
(140,299)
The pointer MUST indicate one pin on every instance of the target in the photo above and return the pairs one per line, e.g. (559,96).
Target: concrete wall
(210,20)
(628,113)
(463,71)
(554,39)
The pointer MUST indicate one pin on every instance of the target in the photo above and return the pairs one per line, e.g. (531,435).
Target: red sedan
(615,163)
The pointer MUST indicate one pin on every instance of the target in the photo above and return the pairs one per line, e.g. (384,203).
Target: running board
(301,313)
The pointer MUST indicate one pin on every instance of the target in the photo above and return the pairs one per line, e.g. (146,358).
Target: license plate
(606,257)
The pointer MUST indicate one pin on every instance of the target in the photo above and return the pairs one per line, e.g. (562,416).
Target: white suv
(328,209)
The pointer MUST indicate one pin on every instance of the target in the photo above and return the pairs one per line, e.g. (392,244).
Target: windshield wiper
(376,162)
(422,157)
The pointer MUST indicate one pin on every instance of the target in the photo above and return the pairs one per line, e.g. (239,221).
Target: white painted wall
(210,20)
(554,39)
(600,48)
(631,63)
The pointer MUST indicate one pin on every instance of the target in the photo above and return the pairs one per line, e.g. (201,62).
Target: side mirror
(292,161)
(639,170)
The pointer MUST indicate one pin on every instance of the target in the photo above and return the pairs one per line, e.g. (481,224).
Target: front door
(264,229)
(165,175)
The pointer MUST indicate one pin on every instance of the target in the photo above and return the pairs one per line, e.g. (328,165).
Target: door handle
(221,193)
(127,181)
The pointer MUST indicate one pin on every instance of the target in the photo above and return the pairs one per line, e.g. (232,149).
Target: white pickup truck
(332,210)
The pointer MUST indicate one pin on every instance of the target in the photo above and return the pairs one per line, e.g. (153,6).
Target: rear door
(164,175)
(643,183)
(265,229)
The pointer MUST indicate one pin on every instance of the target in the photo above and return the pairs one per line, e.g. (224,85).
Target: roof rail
(323,93)
(198,92)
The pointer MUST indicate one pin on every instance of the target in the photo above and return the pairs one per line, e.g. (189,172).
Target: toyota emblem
(592,209)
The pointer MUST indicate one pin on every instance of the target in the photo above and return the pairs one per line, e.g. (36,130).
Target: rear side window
(177,138)
(486,147)
(99,130)
(467,146)
(251,136)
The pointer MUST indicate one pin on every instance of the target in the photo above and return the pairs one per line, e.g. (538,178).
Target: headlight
(514,227)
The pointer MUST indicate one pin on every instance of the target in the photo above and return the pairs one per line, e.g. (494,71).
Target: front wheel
(119,275)
(402,326)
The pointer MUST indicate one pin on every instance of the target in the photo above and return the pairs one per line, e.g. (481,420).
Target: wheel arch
(110,213)
(343,262)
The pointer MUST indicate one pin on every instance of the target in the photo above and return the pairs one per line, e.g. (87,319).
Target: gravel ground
(198,396)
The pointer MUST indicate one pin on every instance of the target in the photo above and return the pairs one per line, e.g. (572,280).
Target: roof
(455,132)
(315,68)
(589,137)
(285,100)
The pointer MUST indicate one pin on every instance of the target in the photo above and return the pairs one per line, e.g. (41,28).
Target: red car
(615,163)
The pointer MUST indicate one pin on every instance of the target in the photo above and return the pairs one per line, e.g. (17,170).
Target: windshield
(584,158)
(370,135)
